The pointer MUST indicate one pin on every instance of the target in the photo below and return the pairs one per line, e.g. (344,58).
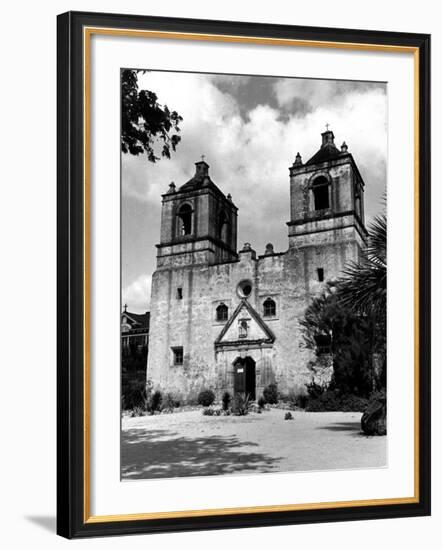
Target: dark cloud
(248,91)
(250,129)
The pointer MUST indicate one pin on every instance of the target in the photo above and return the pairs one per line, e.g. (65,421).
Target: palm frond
(377,239)
(363,286)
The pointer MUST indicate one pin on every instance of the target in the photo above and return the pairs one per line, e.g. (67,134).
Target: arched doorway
(245,376)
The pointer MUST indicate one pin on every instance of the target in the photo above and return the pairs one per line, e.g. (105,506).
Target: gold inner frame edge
(87,33)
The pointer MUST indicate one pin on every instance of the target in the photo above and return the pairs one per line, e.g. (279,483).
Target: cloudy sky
(249,128)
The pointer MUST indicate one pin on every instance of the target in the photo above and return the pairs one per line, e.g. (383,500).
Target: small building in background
(134,330)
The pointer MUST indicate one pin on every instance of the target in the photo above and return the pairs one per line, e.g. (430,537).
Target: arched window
(269,308)
(222,312)
(223,226)
(185,220)
(320,193)
(358,206)
(323,344)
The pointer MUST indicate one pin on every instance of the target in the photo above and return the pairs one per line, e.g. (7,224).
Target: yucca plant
(241,403)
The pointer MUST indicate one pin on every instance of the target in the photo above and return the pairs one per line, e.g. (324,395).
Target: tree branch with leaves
(144,122)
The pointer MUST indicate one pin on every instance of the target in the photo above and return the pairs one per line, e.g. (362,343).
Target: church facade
(229,320)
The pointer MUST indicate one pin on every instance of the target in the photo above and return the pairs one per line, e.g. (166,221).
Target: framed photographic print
(237,344)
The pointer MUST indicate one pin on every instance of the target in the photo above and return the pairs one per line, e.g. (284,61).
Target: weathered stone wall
(208,273)
(341,177)
(190,322)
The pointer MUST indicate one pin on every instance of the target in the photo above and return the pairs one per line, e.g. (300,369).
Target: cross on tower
(326,126)
(125,308)
(203,157)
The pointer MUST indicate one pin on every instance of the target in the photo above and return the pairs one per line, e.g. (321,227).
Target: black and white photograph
(217,224)
(253,274)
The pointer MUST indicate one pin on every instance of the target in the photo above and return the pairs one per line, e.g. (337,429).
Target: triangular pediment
(244,326)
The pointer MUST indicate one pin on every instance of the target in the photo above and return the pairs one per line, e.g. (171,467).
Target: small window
(269,308)
(179,293)
(320,271)
(244,289)
(222,312)
(358,206)
(323,344)
(320,193)
(223,226)
(177,356)
(185,220)
(242,328)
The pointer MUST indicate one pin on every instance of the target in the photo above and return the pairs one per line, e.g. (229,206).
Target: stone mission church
(229,320)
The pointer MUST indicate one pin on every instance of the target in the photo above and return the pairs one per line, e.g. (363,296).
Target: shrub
(206,398)
(315,390)
(170,402)
(226,400)
(133,377)
(327,401)
(288,416)
(192,398)
(177,399)
(137,411)
(262,402)
(378,395)
(241,404)
(155,401)
(270,394)
(296,400)
(332,400)
(355,337)
(353,403)
(301,400)
(209,411)
(133,389)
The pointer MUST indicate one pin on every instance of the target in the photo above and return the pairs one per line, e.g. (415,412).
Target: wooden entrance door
(245,378)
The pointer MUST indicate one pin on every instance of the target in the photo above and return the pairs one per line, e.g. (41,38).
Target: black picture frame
(72,521)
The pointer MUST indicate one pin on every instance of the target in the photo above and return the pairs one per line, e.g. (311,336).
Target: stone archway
(244,376)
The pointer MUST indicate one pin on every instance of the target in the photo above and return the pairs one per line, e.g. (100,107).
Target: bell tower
(327,209)
(198,223)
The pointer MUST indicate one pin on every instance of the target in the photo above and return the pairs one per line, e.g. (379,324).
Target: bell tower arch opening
(198,223)
(328,184)
(184,220)
(327,210)
(223,226)
(321,195)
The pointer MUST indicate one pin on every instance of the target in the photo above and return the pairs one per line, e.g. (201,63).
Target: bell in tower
(198,223)
(327,206)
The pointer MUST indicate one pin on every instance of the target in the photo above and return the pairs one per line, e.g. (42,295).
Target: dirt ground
(185,444)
